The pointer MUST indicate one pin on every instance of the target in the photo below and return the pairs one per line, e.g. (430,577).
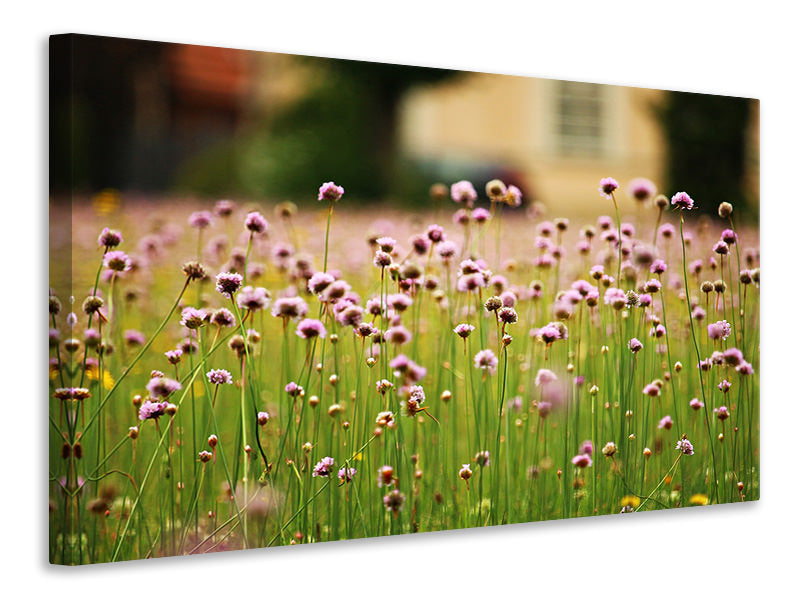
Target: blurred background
(132,117)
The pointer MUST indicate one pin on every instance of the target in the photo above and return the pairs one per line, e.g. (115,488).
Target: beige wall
(501,119)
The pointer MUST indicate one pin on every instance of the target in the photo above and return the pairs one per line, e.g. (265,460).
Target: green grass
(116,498)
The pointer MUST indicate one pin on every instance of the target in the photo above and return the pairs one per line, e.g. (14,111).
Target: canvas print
(296,300)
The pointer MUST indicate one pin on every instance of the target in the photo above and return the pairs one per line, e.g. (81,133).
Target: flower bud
(439,191)
(493,303)
(194,270)
(72,345)
(495,190)
(92,304)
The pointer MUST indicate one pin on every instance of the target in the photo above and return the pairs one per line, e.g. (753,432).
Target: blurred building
(561,137)
(158,117)
(126,113)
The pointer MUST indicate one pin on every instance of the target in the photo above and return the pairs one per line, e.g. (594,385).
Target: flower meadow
(236,375)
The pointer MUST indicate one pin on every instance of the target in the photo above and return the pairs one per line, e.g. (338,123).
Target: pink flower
(323,468)
(582,461)
(228,283)
(607,186)
(685,446)
(223,208)
(545,376)
(642,189)
(200,219)
(480,215)
(464,329)
(310,328)
(446,250)
(435,233)
(463,192)
(219,377)
(486,361)
(255,222)
(116,260)
(461,217)
(651,389)
(719,330)
(346,474)
(398,335)
(513,196)
(109,238)
(728,236)
(683,201)
(330,191)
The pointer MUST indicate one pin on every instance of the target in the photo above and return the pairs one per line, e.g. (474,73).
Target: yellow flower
(108,380)
(699,499)
(632,501)
(92,372)
(106,202)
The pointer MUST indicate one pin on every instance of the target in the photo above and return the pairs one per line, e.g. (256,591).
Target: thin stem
(697,353)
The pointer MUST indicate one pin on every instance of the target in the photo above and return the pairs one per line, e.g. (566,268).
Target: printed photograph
(297,299)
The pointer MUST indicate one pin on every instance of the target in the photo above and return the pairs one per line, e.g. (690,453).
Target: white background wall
(723,47)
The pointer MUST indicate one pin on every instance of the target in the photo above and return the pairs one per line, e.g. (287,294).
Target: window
(579,118)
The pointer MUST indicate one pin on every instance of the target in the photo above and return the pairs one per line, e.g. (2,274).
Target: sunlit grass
(495,368)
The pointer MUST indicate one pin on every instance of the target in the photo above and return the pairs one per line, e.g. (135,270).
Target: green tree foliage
(343,128)
(707,147)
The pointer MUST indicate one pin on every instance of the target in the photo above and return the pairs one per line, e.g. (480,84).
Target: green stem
(697,353)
